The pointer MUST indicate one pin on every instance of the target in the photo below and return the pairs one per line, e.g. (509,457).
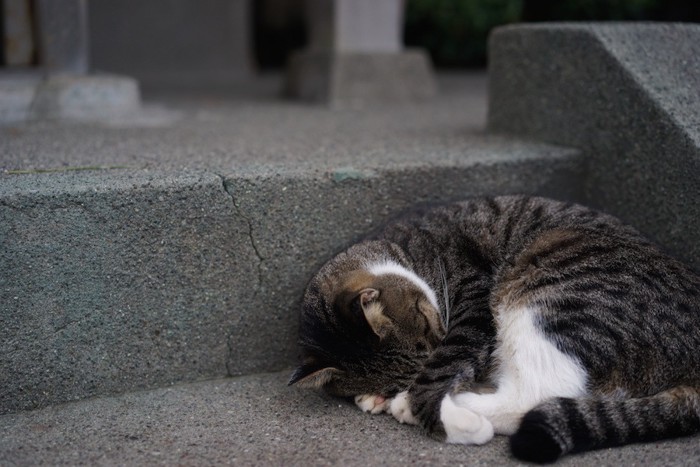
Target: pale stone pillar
(62,87)
(63,36)
(356,58)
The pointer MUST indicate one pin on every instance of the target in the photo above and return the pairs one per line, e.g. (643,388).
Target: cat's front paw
(462,426)
(400,408)
(373,404)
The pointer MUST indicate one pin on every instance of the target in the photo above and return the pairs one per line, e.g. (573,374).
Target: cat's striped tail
(560,426)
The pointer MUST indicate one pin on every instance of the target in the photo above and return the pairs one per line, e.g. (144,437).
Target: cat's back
(609,296)
(570,242)
(606,293)
(495,231)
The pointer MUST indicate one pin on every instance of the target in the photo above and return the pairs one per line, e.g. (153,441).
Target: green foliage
(455,31)
(587,10)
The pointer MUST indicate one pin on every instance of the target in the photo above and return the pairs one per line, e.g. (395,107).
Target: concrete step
(258,420)
(184,257)
(626,95)
(118,280)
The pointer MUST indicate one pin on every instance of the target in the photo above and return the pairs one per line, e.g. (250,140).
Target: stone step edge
(129,280)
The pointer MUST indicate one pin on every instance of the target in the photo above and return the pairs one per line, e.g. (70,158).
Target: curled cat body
(549,322)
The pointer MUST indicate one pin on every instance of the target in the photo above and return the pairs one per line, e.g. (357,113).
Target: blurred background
(454,32)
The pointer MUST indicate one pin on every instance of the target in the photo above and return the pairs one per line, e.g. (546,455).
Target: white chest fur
(531,369)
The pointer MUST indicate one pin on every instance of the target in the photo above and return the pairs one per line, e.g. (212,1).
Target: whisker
(445,295)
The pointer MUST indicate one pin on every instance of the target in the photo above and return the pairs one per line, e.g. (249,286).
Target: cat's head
(366,327)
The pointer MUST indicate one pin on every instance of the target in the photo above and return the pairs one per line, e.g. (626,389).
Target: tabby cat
(549,322)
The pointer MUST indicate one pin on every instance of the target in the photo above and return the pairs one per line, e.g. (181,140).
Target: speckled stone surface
(131,279)
(116,282)
(236,128)
(189,261)
(258,420)
(627,95)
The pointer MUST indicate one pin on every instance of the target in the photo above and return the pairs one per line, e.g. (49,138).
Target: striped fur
(474,295)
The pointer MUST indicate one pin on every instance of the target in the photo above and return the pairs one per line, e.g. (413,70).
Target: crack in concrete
(64,326)
(251,234)
(259,267)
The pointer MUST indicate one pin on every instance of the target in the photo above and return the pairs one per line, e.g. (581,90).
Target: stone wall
(628,96)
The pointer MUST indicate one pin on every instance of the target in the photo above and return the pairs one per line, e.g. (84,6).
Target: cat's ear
(374,312)
(311,375)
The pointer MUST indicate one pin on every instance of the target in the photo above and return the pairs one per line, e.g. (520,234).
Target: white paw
(504,411)
(372,403)
(463,426)
(401,409)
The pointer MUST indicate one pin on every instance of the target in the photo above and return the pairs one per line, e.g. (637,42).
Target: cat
(552,323)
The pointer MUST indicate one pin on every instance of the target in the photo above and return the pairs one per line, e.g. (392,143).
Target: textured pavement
(258,420)
(157,268)
(244,127)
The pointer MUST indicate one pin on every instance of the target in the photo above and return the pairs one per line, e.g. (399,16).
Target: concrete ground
(241,127)
(259,420)
(145,253)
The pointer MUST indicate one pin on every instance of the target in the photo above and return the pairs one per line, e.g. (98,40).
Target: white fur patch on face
(391,267)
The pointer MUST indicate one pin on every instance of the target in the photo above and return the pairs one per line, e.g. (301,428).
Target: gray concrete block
(218,132)
(355,57)
(115,281)
(258,420)
(355,25)
(625,94)
(358,80)
(298,221)
(62,34)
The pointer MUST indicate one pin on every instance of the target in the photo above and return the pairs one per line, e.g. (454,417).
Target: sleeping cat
(549,322)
